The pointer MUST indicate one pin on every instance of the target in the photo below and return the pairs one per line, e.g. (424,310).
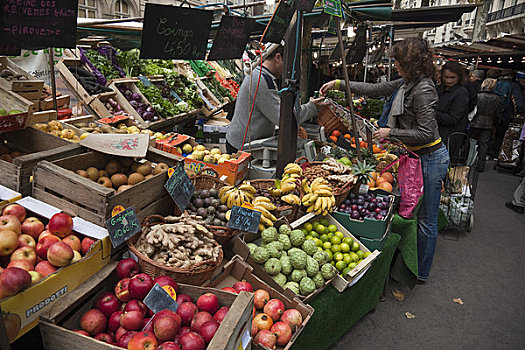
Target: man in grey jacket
(266,111)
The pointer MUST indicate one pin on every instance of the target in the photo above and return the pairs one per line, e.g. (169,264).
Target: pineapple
(363,171)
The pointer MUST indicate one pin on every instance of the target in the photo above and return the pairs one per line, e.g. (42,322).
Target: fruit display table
(342,310)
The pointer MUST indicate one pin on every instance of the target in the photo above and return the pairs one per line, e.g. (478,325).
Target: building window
(122,9)
(501,4)
(87,9)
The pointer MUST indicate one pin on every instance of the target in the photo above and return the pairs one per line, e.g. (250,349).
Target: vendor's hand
(382,133)
(320,102)
(327,87)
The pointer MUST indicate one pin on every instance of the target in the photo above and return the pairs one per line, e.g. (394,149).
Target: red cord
(253,103)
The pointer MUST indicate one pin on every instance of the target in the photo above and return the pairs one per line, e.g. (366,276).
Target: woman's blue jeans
(434,167)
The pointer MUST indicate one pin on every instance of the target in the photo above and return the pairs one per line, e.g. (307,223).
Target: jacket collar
(411,84)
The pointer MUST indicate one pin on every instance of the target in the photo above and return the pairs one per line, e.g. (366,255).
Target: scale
(265,150)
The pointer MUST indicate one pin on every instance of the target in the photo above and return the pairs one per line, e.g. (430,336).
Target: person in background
(266,110)
(411,118)
(473,86)
(489,106)
(452,106)
(518,92)
(518,199)
(504,90)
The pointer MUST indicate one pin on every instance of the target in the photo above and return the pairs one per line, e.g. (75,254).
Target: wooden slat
(30,140)
(9,175)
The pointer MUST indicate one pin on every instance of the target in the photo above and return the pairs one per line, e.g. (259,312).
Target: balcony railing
(508,12)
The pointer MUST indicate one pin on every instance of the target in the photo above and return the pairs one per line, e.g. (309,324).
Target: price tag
(179,186)
(170,291)
(159,299)
(363,189)
(278,24)
(231,39)
(244,219)
(123,226)
(333,7)
(145,81)
(10,49)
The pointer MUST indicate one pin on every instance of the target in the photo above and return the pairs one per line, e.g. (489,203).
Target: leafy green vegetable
(103,64)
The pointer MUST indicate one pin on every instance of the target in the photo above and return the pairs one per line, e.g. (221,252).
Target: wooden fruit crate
(97,104)
(11,101)
(62,102)
(54,184)
(57,323)
(40,146)
(29,88)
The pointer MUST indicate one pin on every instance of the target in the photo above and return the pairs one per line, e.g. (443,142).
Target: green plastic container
(373,244)
(368,228)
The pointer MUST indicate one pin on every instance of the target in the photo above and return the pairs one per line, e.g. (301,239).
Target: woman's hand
(320,102)
(382,133)
(327,87)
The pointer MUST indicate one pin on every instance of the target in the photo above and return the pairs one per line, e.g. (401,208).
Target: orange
(371,183)
(336,133)
(385,186)
(347,136)
(333,138)
(380,179)
(374,174)
(388,176)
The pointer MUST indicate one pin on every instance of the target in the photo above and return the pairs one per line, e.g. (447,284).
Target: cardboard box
(8,196)
(238,270)
(231,171)
(57,322)
(26,306)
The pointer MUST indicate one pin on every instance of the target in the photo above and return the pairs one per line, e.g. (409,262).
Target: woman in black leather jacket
(412,120)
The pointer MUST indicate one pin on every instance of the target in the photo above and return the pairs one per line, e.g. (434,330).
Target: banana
(325,213)
(305,187)
(223,190)
(276,192)
(310,200)
(234,199)
(310,208)
(318,211)
(291,199)
(266,213)
(265,205)
(261,199)
(242,197)
(293,168)
(287,187)
(318,203)
(332,199)
(266,222)
(227,214)
(262,227)
(248,188)
(225,196)
(324,187)
(324,193)
(249,196)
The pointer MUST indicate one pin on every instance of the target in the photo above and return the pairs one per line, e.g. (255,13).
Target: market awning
(509,44)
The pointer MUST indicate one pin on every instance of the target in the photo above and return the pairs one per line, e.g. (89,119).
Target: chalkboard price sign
(278,24)
(39,23)
(304,5)
(123,226)
(244,219)
(231,38)
(158,299)
(333,7)
(173,32)
(180,187)
(10,49)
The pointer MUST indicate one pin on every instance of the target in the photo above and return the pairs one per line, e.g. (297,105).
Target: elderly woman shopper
(412,120)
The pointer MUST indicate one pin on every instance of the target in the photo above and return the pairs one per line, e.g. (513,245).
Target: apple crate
(238,270)
(56,325)
(62,102)
(29,88)
(21,311)
(39,145)
(57,183)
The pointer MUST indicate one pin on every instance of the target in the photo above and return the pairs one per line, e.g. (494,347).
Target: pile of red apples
(31,251)
(121,318)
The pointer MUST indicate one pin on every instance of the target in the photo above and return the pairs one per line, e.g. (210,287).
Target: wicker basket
(288,211)
(203,181)
(195,275)
(330,120)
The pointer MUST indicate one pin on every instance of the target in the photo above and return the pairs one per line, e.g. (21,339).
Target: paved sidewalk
(485,268)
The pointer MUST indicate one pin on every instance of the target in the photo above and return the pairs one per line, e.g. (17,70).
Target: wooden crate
(62,102)
(57,323)
(55,185)
(40,146)
(43,117)
(238,270)
(11,101)
(97,104)
(29,88)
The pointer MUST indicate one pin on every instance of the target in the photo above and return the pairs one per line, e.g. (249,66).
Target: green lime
(347,258)
(314,223)
(335,240)
(348,240)
(314,234)
(340,265)
(318,242)
(339,234)
(320,248)
(361,254)
(320,229)
(336,248)
(354,256)
(329,253)
(338,256)
(359,261)
(352,265)
(346,271)
(332,228)
(308,227)
(355,247)
(366,254)
(345,248)
(327,245)
(308,237)
(324,238)
(330,235)
(332,262)
(324,221)
(305,232)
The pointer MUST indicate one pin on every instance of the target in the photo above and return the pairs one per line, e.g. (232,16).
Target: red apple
(192,340)
(120,332)
(186,311)
(81,331)
(108,303)
(208,330)
(33,227)
(114,321)
(243,286)
(94,322)
(229,289)
(208,302)
(165,328)
(11,223)
(14,279)
(122,291)
(86,244)
(35,277)
(221,314)
(105,337)
(166,281)
(146,325)
(124,339)
(45,268)
(274,308)
(127,268)
(283,333)
(60,224)
(25,253)
(199,319)
(182,298)
(16,210)
(136,305)
(8,242)
(169,313)
(168,345)
(76,256)
(74,242)
(43,245)
(26,241)
(131,320)
(140,285)
(45,233)
(21,264)
(143,341)
(60,254)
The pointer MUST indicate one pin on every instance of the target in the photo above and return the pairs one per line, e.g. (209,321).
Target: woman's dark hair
(456,68)
(415,58)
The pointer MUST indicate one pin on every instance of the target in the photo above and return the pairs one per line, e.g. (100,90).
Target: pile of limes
(343,252)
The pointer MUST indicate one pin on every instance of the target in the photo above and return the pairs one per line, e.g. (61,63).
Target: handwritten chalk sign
(244,219)
(7,49)
(172,32)
(180,187)
(304,5)
(40,23)
(333,7)
(123,226)
(159,299)
(232,37)
(278,24)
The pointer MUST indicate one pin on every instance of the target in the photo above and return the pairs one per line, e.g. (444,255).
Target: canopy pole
(348,91)
(53,82)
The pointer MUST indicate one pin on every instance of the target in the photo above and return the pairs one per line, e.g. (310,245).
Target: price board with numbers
(123,226)
(244,219)
(179,186)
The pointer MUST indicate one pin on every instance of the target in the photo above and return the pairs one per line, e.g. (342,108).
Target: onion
(150,109)
(135,96)
(134,104)
(128,94)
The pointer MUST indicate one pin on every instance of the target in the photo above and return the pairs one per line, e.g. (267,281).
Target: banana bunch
(318,196)
(264,205)
(291,199)
(292,174)
(386,157)
(231,195)
(293,168)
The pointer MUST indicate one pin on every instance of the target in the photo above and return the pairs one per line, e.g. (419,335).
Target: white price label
(363,189)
